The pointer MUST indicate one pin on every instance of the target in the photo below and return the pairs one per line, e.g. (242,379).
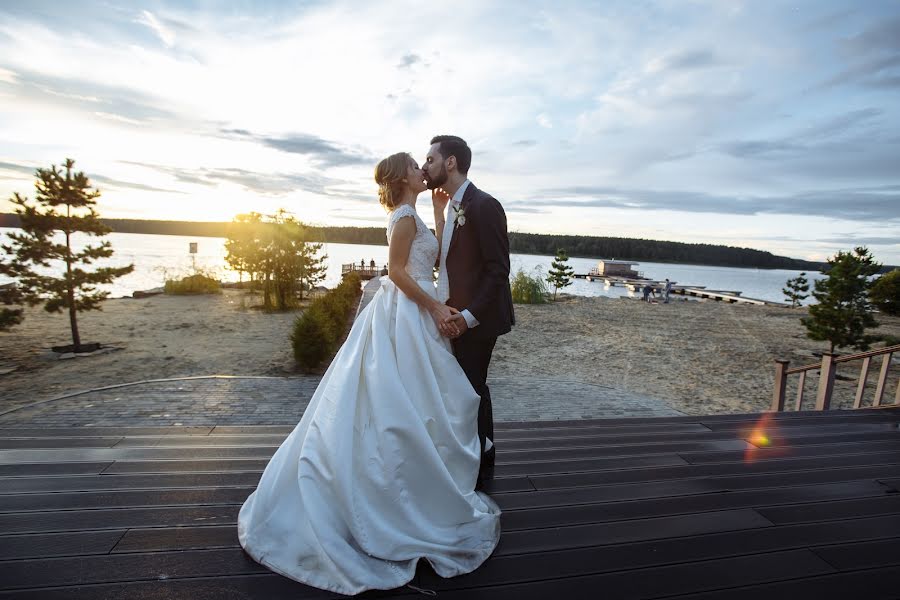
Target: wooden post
(801,384)
(882,379)
(780,382)
(861,387)
(826,382)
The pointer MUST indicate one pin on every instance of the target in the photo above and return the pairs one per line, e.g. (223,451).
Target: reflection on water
(157,257)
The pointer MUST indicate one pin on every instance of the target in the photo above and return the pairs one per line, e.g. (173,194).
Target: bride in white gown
(381,469)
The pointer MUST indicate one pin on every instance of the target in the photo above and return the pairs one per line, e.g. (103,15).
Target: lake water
(157,257)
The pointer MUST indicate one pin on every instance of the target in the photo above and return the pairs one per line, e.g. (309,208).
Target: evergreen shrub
(193,284)
(320,328)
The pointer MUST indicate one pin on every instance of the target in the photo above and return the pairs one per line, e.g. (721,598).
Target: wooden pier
(364,270)
(720,507)
(636,284)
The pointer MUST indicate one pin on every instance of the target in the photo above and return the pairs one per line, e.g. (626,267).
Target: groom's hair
(453,145)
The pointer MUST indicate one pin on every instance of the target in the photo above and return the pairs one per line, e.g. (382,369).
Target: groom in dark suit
(474,274)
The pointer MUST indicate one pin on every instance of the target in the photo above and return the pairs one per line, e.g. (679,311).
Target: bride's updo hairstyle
(390,175)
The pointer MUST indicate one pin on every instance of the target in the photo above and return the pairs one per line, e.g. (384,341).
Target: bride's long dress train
(381,469)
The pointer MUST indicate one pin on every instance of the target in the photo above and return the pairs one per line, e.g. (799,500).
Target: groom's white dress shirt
(443,285)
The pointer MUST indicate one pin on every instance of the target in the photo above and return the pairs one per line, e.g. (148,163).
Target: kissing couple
(389,462)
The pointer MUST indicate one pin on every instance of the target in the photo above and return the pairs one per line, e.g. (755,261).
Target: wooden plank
(695,458)
(35,469)
(263,586)
(629,467)
(862,555)
(787,437)
(594,441)
(889,459)
(51,572)
(506,456)
(838,509)
(233,465)
(25,443)
(590,430)
(100,454)
(101,431)
(837,438)
(58,544)
(520,568)
(590,437)
(118,518)
(657,582)
(871,584)
(703,419)
(890,483)
(123,499)
(863,378)
(807,428)
(676,487)
(176,441)
(587,464)
(79,483)
(833,417)
(252,429)
(560,516)
(178,538)
(596,534)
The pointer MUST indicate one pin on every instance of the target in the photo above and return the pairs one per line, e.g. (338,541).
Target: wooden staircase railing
(827,369)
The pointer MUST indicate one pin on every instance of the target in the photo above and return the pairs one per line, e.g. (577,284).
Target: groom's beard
(440,180)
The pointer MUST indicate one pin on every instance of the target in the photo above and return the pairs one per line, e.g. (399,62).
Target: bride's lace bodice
(424,250)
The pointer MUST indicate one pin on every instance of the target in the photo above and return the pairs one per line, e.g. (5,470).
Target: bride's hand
(439,198)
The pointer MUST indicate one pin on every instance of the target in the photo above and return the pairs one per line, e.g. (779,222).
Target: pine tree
(795,290)
(64,204)
(843,312)
(560,274)
(885,293)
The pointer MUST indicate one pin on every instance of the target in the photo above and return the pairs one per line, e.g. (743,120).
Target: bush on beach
(528,289)
(193,284)
(318,331)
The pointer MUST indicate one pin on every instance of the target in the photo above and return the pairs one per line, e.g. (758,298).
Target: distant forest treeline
(520,243)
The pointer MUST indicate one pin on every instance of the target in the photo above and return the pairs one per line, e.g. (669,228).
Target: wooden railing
(366,271)
(827,369)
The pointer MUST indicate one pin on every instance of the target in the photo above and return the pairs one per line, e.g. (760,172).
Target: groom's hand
(458,324)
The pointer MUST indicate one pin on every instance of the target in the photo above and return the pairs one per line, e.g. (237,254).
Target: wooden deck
(793,506)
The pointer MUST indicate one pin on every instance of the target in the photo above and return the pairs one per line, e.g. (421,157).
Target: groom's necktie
(443,285)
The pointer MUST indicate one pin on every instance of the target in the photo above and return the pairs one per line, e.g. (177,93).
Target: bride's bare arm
(398,257)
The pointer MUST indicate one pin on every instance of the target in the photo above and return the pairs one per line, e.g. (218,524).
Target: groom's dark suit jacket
(478,265)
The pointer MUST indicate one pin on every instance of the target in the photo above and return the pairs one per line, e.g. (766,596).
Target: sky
(772,125)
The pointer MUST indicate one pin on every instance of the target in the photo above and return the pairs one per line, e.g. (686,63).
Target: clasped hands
(450,322)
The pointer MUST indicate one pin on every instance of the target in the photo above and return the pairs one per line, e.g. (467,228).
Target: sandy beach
(699,357)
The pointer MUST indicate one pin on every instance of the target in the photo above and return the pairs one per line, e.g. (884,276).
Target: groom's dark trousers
(478,266)
(474,356)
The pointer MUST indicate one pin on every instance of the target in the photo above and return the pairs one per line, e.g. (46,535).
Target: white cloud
(722,99)
(166,35)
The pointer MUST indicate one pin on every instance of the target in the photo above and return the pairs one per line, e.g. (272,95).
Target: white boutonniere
(459,218)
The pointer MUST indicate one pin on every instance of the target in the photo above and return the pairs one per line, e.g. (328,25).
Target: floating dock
(636,284)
